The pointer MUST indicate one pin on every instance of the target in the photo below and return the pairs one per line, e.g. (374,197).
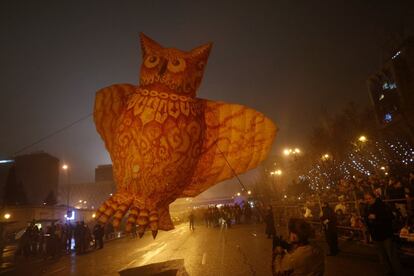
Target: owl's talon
(141,230)
(153,222)
(105,211)
(120,213)
(143,219)
(152,219)
(132,218)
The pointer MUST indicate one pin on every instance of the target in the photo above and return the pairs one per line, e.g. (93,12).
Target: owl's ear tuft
(148,44)
(201,52)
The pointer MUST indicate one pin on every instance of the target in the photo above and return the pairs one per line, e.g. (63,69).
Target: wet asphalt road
(241,250)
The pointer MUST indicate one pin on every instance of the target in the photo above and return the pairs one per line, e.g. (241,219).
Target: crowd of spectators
(347,200)
(61,238)
(227,215)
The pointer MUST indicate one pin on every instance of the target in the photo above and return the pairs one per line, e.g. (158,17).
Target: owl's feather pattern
(234,132)
(109,104)
(165,143)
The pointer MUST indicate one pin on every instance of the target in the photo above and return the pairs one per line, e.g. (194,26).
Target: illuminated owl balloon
(165,143)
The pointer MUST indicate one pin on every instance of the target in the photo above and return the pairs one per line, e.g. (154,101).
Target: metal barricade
(284,211)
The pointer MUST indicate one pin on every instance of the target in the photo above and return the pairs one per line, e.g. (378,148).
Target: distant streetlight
(238,194)
(276,172)
(65,167)
(290,151)
(362,139)
(7,215)
(249,192)
(325,157)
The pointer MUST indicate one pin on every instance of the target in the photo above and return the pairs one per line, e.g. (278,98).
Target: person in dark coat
(378,218)
(329,223)
(191,220)
(270,223)
(87,236)
(98,232)
(247,210)
(51,241)
(80,238)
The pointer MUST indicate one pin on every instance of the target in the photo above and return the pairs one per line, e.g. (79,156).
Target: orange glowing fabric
(165,143)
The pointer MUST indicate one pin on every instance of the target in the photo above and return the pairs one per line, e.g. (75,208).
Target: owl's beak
(163,68)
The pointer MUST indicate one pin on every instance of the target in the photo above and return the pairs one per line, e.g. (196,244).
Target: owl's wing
(237,139)
(109,103)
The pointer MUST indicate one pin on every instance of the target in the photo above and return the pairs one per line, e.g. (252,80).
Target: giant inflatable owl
(165,143)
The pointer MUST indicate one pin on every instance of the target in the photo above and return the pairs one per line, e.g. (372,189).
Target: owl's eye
(176,65)
(151,61)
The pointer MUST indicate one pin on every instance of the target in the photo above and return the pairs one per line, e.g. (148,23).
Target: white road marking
(145,248)
(203,261)
(128,265)
(151,254)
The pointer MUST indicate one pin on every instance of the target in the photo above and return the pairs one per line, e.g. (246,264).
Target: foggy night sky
(287,59)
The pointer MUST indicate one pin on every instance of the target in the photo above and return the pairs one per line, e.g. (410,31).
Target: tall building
(34,176)
(5,165)
(391,90)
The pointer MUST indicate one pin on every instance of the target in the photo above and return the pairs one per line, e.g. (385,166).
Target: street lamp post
(325,157)
(327,162)
(275,173)
(65,168)
(292,155)
(360,142)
